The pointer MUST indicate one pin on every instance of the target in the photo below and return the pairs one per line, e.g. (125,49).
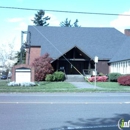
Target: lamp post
(96,61)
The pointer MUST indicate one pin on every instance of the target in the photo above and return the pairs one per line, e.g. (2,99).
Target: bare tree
(7,55)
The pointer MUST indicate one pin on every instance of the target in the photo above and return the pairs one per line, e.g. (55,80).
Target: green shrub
(59,76)
(53,77)
(101,74)
(114,76)
(49,77)
(56,76)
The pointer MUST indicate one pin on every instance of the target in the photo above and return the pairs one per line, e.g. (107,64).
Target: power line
(61,11)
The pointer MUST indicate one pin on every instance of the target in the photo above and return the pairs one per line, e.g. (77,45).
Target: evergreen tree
(76,23)
(40,20)
(18,56)
(67,23)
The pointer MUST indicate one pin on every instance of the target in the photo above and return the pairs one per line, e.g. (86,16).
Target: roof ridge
(91,40)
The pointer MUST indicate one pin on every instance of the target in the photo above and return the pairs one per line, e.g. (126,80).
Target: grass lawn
(63,87)
(112,87)
(42,87)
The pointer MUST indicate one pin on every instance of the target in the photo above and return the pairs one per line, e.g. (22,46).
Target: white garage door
(23,76)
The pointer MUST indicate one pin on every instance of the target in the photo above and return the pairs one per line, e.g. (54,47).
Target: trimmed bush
(102,78)
(49,77)
(98,79)
(56,76)
(114,76)
(59,75)
(124,80)
(101,74)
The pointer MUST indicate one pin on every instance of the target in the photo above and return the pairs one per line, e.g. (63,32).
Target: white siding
(122,67)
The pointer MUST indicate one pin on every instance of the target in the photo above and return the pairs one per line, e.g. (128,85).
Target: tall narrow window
(119,67)
(123,67)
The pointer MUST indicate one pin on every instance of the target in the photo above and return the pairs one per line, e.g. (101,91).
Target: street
(63,111)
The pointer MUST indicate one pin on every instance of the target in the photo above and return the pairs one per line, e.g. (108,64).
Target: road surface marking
(127,102)
(90,127)
(64,102)
(62,95)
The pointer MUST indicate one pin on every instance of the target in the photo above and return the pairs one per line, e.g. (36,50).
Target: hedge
(98,79)
(49,77)
(113,77)
(124,80)
(56,76)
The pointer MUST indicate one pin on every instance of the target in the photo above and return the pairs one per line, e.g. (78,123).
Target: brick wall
(34,53)
(13,78)
(127,32)
(103,67)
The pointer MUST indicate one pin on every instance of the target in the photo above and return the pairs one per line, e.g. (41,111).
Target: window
(118,67)
(123,67)
(111,67)
(129,62)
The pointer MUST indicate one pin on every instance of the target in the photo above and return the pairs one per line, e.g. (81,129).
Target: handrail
(86,72)
(63,70)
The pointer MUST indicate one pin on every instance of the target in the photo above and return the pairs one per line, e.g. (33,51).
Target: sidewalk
(83,85)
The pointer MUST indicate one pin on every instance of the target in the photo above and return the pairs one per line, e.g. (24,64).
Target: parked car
(3,77)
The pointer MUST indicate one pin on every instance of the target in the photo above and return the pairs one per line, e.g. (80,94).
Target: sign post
(96,61)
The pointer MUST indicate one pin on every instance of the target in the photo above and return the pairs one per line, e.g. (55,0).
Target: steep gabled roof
(101,42)
(123,53)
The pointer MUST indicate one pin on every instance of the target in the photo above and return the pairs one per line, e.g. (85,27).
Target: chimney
(127,32)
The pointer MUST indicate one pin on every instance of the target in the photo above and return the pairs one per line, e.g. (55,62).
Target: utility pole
(22,46)
(21,54)
(29,41)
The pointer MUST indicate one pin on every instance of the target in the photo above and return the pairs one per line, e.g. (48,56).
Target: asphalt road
(83,111)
